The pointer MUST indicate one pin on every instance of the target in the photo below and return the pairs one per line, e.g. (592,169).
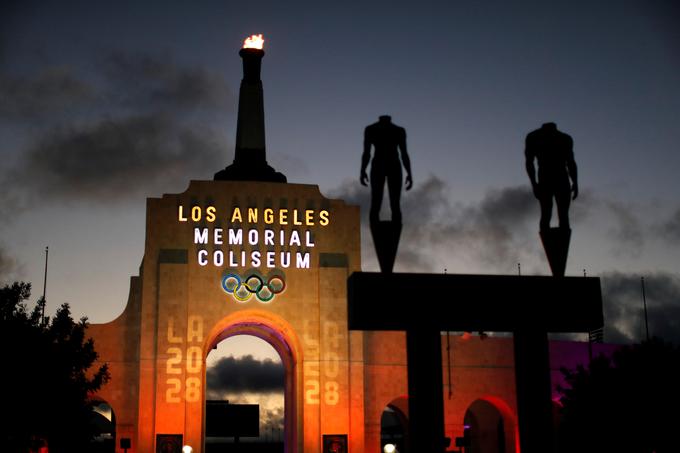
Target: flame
(254,42)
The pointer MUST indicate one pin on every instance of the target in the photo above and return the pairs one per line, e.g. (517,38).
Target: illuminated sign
(184,365)
(252,246)
(244,288)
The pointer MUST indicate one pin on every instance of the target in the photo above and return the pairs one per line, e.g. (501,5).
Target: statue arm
(365,158)
(571,168)
(405,160)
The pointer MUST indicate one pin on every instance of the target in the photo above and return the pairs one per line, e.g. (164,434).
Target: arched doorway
(394,426)
(244,396)
(280,335)
(490,427)
(103,425)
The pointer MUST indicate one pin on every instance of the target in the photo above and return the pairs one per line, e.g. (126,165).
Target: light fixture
(390,448)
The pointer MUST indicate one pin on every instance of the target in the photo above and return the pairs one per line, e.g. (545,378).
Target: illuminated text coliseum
(295,244)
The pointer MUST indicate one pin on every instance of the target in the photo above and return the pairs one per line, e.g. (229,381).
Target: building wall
(337,382)
(117,344)
(479,369)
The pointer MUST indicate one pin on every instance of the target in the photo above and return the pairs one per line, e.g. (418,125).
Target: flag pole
(47,251)
(644,302)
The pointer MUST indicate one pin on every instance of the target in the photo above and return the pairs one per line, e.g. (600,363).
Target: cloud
(493,234)
(245,374)
(492,231)
(54,89)
(116,158)
(11,204)
(137,125)
(9,267)
(271,425)
(627,229)
(583,207)
(623,306)
(670,229)
(139,79)
(119,80)
(293,167)
(271,409)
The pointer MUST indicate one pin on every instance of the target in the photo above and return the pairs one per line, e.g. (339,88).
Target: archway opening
(487,428)
(394,427)
(245,396)
(103,427)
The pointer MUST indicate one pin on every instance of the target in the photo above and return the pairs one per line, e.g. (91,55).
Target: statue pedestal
(386,234)
(556,245)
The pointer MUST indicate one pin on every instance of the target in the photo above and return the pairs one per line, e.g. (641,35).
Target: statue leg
(394,187)
(563,200)
(546,209)
(377,190)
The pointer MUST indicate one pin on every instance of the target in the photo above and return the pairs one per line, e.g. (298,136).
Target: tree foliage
(626,403)
(46,375)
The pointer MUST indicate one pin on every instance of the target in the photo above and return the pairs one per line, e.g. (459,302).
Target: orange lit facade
(272,260)
(295,250)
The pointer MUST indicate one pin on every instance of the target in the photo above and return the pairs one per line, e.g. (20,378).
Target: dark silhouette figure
(554,152)
(389,141)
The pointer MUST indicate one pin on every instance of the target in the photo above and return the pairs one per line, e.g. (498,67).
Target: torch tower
(250,159)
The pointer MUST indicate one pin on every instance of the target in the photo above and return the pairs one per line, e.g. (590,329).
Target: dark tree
(46,376)
(626,403)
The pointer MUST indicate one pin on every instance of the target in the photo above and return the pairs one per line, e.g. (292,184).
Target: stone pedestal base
(386,236)
(556,245)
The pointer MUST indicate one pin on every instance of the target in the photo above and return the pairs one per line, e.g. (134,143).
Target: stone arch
(103,420)
(492,426)
(394,424)
(281,336)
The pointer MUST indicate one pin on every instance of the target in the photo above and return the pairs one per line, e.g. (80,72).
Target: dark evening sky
(105,104)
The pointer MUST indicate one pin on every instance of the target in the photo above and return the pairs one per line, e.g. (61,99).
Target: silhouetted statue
(555,155)
(389,141)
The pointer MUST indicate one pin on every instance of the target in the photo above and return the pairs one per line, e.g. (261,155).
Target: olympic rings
(254,284)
